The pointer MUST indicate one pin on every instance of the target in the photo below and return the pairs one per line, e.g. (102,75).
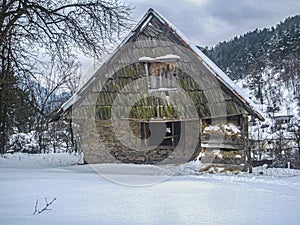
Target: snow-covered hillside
(276,138)
(274,98)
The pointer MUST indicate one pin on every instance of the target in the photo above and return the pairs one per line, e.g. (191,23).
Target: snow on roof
(280,115)
(70,102)
(168,57)
(213,68)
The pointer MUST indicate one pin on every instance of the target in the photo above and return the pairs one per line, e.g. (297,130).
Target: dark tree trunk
(74,147)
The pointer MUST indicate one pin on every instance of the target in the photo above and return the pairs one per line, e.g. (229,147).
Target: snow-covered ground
(83,196)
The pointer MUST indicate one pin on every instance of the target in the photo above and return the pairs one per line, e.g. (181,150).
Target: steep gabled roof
(145,21)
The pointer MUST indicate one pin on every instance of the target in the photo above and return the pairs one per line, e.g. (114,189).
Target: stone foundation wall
(109,142)
(104,146)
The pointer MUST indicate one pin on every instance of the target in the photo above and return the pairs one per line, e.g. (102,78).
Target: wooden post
(173,133)
(247,150)
(200,132)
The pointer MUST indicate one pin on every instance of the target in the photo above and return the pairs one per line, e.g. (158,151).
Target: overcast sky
(207,22)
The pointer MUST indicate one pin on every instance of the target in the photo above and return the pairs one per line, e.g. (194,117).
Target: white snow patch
(230,129)
(168,57)
(45,160)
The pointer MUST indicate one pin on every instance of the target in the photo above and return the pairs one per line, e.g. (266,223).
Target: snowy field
(83,196)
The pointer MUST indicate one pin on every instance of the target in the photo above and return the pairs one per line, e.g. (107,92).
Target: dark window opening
(160,133)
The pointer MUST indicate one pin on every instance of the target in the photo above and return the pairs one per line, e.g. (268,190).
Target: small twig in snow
(35,207)
(43,209)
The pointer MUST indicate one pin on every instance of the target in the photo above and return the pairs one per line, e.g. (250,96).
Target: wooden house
(159,99)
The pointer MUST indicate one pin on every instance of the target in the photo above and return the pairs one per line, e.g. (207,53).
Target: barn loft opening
(160,133)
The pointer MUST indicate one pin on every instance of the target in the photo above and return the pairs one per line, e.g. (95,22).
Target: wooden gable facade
(159,99)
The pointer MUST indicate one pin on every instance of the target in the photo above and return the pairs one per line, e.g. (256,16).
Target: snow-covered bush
(51,139)
(21,142)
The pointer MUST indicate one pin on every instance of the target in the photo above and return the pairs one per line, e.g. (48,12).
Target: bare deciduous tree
(31,29)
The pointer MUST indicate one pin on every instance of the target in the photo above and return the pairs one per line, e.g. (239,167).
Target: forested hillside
(266,62)
(277,47)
